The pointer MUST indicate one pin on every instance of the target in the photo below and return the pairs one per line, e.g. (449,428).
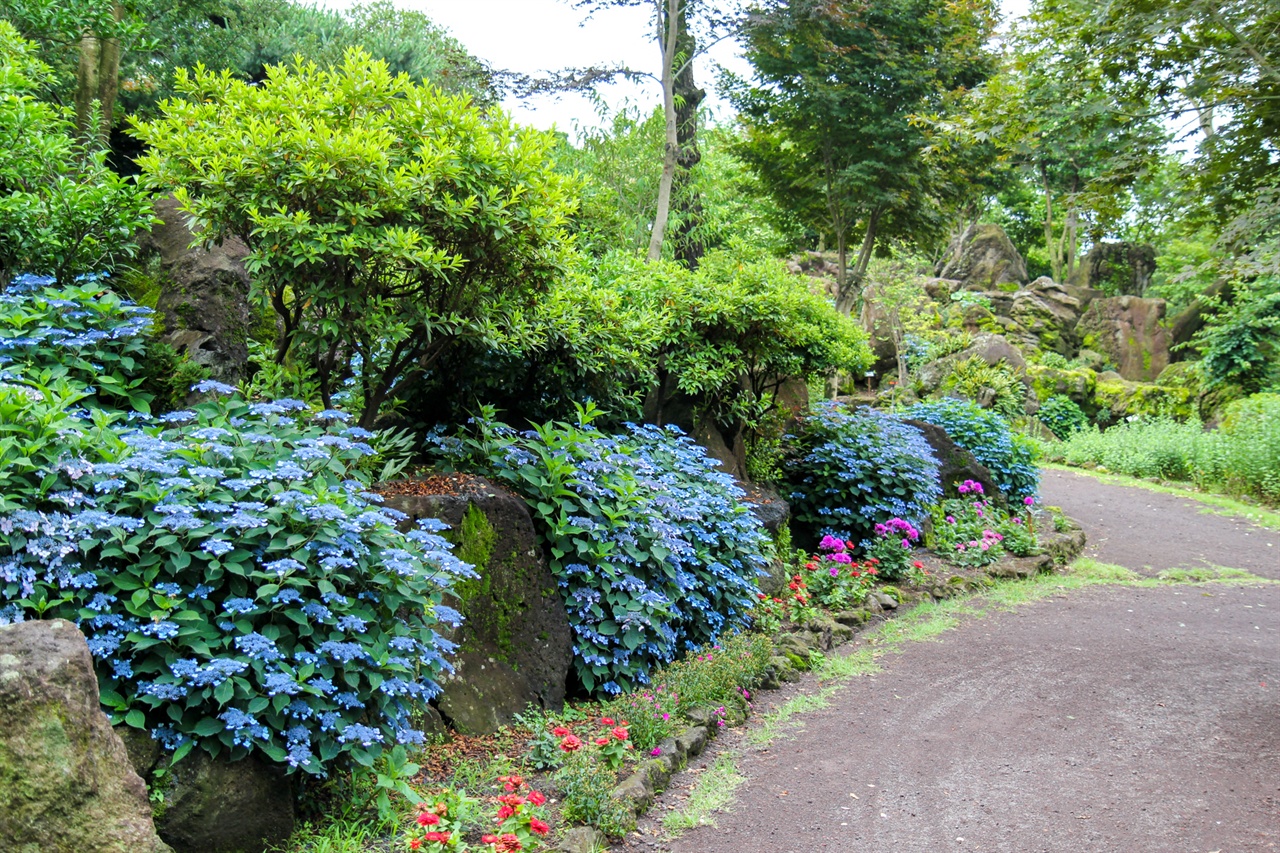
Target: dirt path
(1111,719)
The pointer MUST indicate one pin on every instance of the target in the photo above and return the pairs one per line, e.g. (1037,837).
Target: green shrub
(1009,457)
(974,379)
(1247,447)
(654,548)
(1062,416)
(586,787)
(1055,360)
(1145,447)
(238,589)
(717,675)
(848,471)
(385,220)
(62,210)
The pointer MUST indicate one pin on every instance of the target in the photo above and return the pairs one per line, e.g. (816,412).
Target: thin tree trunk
(668,35)
(98,79)
(87,79)
(1055,257)
(688,245)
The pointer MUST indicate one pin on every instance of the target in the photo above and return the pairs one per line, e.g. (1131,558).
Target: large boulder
(204,294)
(514,646)
(1117,269)
(992,349)
(214,805)
(66,784)
(667,404)
(957,464)
(1047,314)
(1077,384)
(1117,399)
(983,257)
(1128,330)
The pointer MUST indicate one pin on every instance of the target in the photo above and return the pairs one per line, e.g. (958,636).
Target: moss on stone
(476,541)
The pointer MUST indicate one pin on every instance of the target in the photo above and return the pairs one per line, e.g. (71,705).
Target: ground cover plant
(653,548)
(971,530)
(849,470)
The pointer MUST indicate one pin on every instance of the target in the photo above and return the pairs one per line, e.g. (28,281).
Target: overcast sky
(531,36)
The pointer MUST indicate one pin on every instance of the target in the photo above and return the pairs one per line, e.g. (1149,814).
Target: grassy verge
(923,623)
(1215,503)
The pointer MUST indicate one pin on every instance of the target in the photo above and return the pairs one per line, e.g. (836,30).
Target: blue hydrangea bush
(848,470)
(1009,456)
(82,333)
(241,590)
(655,551)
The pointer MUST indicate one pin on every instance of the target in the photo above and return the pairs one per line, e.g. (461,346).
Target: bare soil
(1110,719)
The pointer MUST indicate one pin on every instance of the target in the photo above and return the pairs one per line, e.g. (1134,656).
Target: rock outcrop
(515,645)
(1128,330)
(204,294)
(213,805)
(1117,269)
(66,784)
(984,258)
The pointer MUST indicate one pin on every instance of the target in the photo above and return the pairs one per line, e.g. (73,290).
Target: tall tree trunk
(98,79)
(1050,245)
(851,288)
(689,247)
(668,35)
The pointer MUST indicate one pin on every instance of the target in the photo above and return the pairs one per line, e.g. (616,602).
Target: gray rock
(992,349)
(204,296)
(853,618)
(983,258)
(1117,269)
(583,839)
(515,645)
(888,602)
(635,791)
(692,740)
(1129,331)
(213,805)
(66,783)
(956,463)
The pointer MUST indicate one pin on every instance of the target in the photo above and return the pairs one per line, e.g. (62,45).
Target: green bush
(62,210)
(586,787)
(717,675)
(385,220)
(973,379)
(1246,449)
(1009,456)
(1062,416)
(1146,447)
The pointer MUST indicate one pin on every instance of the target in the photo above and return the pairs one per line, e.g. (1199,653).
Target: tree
(385,219)
(62,211)
(829,125)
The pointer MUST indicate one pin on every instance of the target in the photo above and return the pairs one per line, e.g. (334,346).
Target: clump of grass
(713,792)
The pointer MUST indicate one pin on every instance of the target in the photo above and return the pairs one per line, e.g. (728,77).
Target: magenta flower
(1029,501)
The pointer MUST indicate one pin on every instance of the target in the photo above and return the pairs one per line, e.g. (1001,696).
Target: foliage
(829,112)
(851,470)
(62,211)
(974,380)
(1240,343)
(1147,447)
(891,550)
(716,675)
(239,590)
(82,333)
(1062,415)
(1010,457)
(834,579)
(971,530)
(586,787)
(653,548)
(650,714)
(519,822)
(417,221)
(737,329)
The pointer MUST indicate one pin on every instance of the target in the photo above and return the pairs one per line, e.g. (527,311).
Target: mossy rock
(1078,385)
(515,645)
(1120,400)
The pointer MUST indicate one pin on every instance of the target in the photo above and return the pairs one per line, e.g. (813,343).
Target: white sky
(532,36)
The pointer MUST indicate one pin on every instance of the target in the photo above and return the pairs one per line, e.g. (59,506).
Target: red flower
(510,843)
(571,743)
(537,798)
(538,826)
(428,819)
(602,741)
(438,837)
(511,783)
(505,812)
(512,800)
(488,839)
(607,721)
(414,843)
(811,565)
(560,731)
(873,561)
(620,733)
(918,564)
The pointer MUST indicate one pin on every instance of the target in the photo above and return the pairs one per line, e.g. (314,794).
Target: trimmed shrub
(655,551)
(1009,456)
(239,590)
(850,470)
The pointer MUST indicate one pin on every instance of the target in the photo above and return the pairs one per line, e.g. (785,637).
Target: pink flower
(657,750)
(1029,501)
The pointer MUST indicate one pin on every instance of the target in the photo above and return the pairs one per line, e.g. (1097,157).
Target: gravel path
(1110,719)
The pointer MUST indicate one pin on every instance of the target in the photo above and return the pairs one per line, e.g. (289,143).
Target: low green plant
(999,384)
(585,786)
(972,530)
(717,675)
(1063,416)
(1055,360)
(1009,456)
(651,715)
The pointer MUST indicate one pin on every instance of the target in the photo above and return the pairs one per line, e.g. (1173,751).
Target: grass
(1215,503)
(339,836)
(712,792)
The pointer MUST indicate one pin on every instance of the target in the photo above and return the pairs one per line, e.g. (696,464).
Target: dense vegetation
(431,285)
